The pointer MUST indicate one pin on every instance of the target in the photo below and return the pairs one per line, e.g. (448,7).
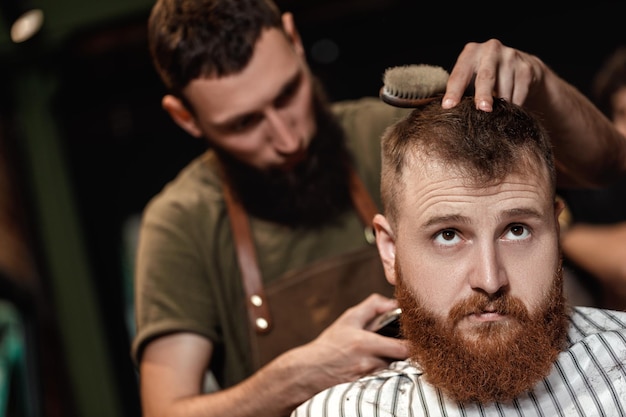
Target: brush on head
(413,85)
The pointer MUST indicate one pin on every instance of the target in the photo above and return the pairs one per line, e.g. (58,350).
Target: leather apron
(298,306)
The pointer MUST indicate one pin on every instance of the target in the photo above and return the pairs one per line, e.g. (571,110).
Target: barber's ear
(386,247)
(179,113)
(290,28)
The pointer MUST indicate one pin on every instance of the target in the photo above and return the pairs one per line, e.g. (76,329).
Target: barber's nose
(282,136)
(489,273)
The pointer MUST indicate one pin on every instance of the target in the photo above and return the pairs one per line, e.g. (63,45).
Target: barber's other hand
(497,70)
(346,351)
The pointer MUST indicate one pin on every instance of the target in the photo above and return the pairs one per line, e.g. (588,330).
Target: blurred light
(27,25)
(325,51)
(23,20)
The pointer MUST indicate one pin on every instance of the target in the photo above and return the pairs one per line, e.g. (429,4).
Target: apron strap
(256,300)
(364,205)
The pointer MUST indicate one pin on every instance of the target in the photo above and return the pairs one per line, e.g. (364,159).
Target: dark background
(118,148)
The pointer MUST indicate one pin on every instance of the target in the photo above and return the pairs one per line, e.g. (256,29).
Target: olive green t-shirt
(186,274)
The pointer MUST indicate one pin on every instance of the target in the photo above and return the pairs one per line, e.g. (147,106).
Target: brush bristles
(411,85)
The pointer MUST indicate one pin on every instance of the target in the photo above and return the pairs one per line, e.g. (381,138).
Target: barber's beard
(314,193)
(503,361)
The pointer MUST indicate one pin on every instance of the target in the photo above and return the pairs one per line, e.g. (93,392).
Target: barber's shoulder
(197,185)
(367,113)
(372,105)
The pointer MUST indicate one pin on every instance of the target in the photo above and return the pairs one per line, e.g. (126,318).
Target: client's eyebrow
(446,219)
(460,219)
(521,212)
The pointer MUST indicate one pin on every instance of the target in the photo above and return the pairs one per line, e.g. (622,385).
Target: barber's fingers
(516,73)
(461,76)
(362,313)
(495,70)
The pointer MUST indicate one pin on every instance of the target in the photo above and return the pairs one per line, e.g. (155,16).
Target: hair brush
(413,85)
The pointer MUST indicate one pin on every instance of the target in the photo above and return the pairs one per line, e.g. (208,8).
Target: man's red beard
(499,360)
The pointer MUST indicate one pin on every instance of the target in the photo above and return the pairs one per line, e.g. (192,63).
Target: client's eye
(517,232)
(447,237)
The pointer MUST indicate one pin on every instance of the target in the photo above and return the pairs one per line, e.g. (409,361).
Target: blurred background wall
(89,144)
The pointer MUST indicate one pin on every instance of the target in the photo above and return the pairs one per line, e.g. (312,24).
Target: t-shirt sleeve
(172,285)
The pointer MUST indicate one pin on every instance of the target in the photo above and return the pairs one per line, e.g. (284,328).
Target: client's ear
(386,247)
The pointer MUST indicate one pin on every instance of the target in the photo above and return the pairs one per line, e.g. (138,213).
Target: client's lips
(488,313)
(487,316)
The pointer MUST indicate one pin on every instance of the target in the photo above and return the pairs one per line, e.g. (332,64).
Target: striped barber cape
(588,379)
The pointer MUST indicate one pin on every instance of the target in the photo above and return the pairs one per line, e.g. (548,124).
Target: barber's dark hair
(482,146)
(189,39)
(608,79)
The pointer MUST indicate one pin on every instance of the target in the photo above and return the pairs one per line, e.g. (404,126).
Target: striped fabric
(588,379)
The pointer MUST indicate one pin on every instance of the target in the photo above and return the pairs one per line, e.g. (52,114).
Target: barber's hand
(499,71)
(345,351)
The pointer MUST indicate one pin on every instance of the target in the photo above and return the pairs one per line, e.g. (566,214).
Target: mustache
(500,303)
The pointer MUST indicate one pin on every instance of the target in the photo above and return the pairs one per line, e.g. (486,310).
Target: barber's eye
(284,98)
(288,93)
(246,123)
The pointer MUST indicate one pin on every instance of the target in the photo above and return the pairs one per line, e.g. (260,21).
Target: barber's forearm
(598,249)
(588,149)
(271,392)
(277,388)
